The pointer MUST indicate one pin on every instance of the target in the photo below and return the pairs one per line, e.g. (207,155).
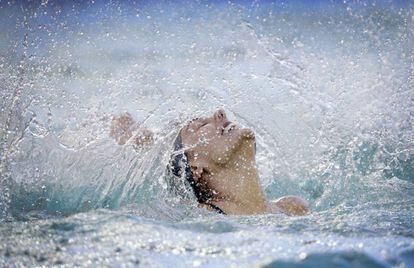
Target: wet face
(215,141)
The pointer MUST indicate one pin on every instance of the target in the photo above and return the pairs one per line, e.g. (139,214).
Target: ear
(197,172)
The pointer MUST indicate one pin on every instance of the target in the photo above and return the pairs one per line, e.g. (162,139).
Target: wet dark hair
(179,173)
(180,178)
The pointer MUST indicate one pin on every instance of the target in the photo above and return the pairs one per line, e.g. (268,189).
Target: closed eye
(196,125)
(200,125)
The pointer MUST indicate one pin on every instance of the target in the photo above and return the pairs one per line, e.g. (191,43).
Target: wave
(329,97)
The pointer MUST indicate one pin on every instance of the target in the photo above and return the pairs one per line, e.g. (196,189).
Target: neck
(237,188)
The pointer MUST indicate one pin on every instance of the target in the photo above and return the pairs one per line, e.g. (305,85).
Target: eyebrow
(194,119)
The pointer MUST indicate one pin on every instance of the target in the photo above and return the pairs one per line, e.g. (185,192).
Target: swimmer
(216,158)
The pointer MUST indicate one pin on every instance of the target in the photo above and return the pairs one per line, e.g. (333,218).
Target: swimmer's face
(216,140)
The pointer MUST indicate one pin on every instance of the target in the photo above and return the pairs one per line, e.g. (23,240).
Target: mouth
(228,126)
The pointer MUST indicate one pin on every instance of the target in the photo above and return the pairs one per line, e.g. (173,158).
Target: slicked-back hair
(179,175)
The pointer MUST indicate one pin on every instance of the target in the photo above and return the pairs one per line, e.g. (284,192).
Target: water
(327,87)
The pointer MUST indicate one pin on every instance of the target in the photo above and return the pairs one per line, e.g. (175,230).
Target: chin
(248,134)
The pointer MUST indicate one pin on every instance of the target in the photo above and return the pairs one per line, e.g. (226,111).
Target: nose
(220,115)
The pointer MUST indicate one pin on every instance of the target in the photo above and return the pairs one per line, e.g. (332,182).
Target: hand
(122,127)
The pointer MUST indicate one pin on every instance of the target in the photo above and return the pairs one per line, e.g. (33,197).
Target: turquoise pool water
(327,88)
